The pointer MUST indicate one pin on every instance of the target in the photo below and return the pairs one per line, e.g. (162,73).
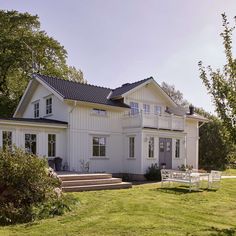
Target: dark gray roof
(40,120)
(127,87)
(88,93)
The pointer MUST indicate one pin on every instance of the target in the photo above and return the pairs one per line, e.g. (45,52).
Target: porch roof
(34,122)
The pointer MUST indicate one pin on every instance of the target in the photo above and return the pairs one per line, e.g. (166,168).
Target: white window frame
(48,106)
(36,109)
(131,147)
(36,142)
(134,106)
(177,148)
(146,108)
(99,146)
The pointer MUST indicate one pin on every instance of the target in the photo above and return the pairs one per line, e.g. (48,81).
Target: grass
(230,172)
(143,210)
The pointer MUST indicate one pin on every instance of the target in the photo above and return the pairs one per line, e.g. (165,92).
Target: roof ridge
(136,82)
(76,82)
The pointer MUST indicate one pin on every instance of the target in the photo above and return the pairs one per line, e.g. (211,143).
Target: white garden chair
(214,179)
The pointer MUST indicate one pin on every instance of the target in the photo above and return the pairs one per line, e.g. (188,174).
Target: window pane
(161,146)
(95,141)
(48,105)
(134,108)
(96,151)
(7,139)
(102,151)
(131,146)
(102,141)
(30,143)
(168,146)
(151,147)
(146,108)
(157,110)
(177,148)
(51,145)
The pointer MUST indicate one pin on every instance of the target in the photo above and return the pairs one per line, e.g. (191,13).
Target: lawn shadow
(222,232)
(177,190)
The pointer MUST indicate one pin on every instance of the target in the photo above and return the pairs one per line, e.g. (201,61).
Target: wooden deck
(77,182)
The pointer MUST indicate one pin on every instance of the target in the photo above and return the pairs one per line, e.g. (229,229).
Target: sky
(118,41)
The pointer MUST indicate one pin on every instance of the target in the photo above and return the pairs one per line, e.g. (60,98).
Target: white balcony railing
(168,122)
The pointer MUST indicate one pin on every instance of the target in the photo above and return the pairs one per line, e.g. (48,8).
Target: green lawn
(229,172)
(143,210)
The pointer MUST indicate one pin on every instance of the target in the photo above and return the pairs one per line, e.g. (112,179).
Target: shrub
(153,172)
(26,187)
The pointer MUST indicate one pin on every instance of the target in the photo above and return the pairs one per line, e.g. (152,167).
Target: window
(134,108)
(30,143)
(157,110)
(99,146)
(146,108)
(6,139)
(48,106)
(131,147)
(162,147)
(99,112)
(151,147)
(51,145)
(36,110)
(177,148)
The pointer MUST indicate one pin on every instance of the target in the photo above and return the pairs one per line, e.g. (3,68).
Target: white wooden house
(119,131)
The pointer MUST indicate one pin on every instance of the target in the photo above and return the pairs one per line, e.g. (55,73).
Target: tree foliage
(23,44)
(221,84)
(216,148)
(175,94)
(25,184)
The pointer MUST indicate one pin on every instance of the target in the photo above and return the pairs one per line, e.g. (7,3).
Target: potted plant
(163,165)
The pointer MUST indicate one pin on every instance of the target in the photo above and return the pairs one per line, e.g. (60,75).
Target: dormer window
(48,106)
(36,110)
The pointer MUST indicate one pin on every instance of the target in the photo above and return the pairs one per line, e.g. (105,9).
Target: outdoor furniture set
(191,178)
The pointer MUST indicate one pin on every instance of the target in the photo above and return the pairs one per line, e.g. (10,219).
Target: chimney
(191,110)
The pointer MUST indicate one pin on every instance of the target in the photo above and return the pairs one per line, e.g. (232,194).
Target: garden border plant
(29,189)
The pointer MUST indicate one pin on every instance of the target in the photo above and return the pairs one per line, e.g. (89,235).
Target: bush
(153,172)
(27,187)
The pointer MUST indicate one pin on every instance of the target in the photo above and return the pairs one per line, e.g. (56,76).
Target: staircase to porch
(72,182)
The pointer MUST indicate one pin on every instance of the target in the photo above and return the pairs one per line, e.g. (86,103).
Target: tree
(216,148)
(22,44)
(175,94)
(75,75)
(214,153)
(221,84)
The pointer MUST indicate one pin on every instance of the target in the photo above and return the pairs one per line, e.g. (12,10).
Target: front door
(165,152)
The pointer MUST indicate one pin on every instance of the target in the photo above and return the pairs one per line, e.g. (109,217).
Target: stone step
(90,182)
(69,177)
(121,185)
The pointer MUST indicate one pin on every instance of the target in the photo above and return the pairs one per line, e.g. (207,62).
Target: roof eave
(95,104)
(36,124)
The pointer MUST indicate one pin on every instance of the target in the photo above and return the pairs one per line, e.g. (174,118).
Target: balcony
(165,122)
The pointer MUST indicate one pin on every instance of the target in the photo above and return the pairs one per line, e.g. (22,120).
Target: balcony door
(165,152)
